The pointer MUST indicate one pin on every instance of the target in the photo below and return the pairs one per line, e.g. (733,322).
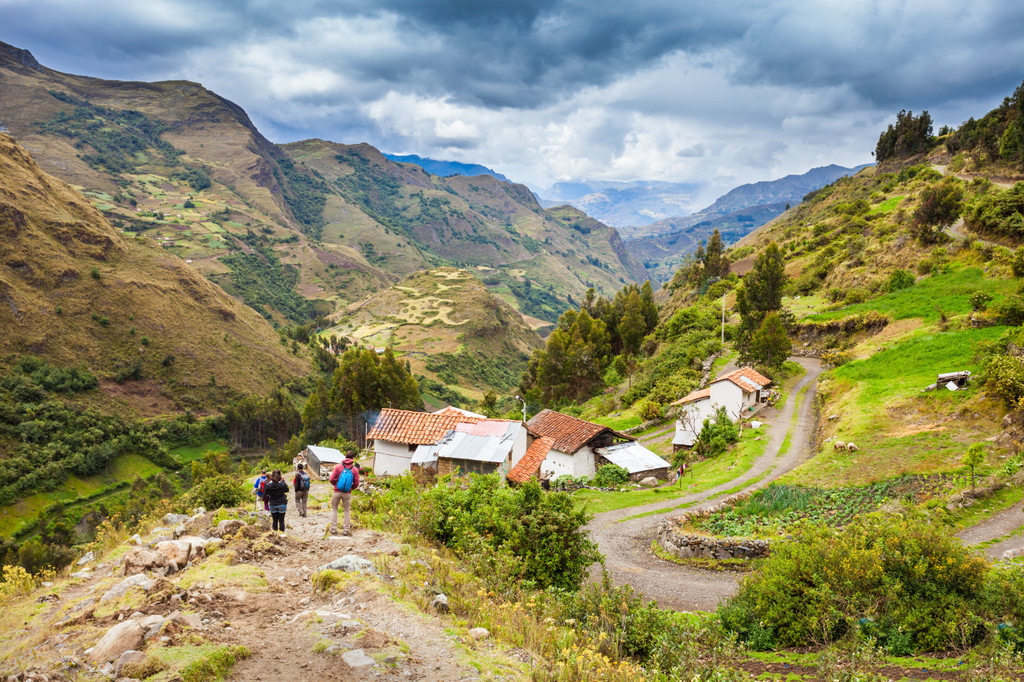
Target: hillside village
(798,458)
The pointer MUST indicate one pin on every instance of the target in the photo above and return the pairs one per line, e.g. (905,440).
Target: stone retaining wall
(674,539)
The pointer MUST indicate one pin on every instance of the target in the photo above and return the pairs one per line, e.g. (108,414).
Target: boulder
(89,556)
(1013,553)
(174,519)
(479,633)
(191,620)
(119,590)
(182,550)
(139,560)
(350,563)
(118,639)
(150,622)
(649,482)
(229,526)
(130,656)
(136,540)
(357,659)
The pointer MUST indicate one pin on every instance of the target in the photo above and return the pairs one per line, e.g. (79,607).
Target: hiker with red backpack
(345,479)
(301,486)
(258,486)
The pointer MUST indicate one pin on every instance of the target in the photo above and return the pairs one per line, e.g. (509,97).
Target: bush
(215,492)
(651,410)
(716,436)
(611,476)
(900,279)
(916,582)
(1004,375)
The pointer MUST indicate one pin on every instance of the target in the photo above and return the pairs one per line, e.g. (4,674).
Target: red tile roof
(569,433)
(693,396)
(747,373)
(529,465)
(416,428)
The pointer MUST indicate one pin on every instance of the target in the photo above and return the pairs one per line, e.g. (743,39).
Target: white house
(396,434)
(742,392)
(574,443)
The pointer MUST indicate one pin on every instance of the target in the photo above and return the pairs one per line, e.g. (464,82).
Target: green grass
(988,506)
(882,410)
(949,292)
(702,476)
(886,206)
(189,453)
(22,514)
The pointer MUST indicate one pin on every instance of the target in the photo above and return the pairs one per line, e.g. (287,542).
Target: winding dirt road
(626,544)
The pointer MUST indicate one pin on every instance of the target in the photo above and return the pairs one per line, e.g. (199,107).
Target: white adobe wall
(557,464)
(729,395)
(391,458)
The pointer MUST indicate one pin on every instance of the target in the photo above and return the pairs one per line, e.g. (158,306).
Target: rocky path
(1001,526)
(626,542)
(256,591)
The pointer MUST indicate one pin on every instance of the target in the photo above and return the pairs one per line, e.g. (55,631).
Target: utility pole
(723,319)
(524,407)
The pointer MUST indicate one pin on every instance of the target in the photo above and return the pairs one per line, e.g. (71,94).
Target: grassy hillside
(449,328)
(78,292)
(326,223)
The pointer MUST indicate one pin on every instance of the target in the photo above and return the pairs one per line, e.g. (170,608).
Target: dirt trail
(626,544)
(282,630)
(996,526)
(279,621)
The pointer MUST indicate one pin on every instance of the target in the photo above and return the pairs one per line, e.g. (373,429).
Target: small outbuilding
(634,458)
(320,461)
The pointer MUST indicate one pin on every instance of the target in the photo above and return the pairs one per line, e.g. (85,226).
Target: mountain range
(293,230)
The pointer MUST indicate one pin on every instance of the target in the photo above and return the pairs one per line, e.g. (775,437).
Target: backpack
(261,483)
(303,484)
(345,481)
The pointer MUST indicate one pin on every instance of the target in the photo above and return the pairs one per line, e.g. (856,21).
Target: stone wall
(677,541)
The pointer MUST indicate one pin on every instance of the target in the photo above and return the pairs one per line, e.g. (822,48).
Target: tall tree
(760,294)
(770,345)
(716,264)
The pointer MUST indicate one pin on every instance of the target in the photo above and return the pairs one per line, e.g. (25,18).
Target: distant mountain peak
(18,55)
(446,168)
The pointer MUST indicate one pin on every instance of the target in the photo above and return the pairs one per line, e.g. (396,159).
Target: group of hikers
(272,492)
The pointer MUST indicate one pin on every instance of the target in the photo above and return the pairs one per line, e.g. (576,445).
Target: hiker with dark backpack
(345,479)
(301,486)
(275,492)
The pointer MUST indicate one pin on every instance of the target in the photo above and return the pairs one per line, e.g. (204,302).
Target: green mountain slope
(78,292)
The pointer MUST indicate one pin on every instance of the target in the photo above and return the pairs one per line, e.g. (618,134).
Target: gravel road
(626,544)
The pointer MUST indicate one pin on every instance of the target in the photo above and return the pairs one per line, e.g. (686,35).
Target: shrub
(908,575)
(1004,375)
(215,492)
(715,436)
(900,279)
(651,410)
(611,476)
(980,300)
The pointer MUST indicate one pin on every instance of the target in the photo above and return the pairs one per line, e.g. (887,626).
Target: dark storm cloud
(656,89)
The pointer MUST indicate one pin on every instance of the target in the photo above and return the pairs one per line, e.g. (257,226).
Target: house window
(472,466)
(412,447)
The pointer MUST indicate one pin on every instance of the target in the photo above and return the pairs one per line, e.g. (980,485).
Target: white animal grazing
(851,447)
(840,445)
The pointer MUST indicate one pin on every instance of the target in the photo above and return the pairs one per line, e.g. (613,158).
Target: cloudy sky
(546,90)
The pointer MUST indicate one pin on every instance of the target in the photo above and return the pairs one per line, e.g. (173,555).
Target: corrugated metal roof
(326,454)
(685,437)
(632,457)
(486,448)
